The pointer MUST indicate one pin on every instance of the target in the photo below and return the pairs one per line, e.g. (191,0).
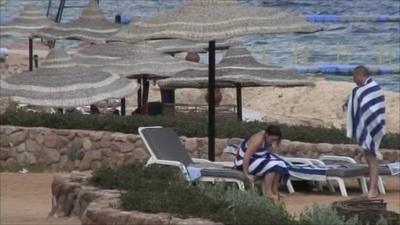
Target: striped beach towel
(366,116)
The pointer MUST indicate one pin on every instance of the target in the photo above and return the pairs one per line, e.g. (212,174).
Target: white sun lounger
(317,170)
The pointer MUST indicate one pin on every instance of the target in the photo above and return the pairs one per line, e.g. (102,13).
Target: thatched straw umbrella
(92,26)
(174,46)
(211,20)
(138,61)
(61,83)
(237,69)
(28,22)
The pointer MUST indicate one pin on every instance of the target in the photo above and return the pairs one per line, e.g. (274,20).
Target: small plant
(319,214)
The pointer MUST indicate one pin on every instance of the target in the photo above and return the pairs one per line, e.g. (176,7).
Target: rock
(96,136)
(21,148)
(235,141)
(21,159)
(50,139)
(17,138)
(192,221)
(87,144)
(220,144)
(11,163)
(106,152)
(63,161)
(132,138)
(62,142)
(76,144)
(71,136)
(4,141)
(4,153)
(103,143)
(122,147)
(149,219)
(118,217)
(39,138)
(139,144)
(191,144)
(82,133)
(95,165)
(32,146)
(50,156)
(324,148)
(117,160)
(141,155)
(130,159)
(30,158)
(10,129)
(119,137)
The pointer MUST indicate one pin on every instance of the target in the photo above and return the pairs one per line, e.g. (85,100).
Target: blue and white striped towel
(366,116)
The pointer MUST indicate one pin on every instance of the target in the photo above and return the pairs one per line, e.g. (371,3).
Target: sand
(25,199)
(315,106)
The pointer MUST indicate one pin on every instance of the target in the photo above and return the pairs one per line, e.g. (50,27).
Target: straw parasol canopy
(61,83)
(238,67)
(206,20)
(139,60)
(92,26)
(173,46)
(29,21)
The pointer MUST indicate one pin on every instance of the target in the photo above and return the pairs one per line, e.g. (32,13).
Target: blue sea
(355,43)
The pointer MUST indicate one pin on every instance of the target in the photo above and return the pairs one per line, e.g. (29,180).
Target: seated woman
(255,159)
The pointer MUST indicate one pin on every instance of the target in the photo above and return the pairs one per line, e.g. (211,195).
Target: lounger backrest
(166,145)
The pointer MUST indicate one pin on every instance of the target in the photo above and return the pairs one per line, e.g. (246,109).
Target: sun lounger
(317,170)
(166,149)
(384,169)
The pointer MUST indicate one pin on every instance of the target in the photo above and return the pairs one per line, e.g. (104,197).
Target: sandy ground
(25,199)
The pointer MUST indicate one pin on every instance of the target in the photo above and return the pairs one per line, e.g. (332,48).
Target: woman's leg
(268,184)
(275,189)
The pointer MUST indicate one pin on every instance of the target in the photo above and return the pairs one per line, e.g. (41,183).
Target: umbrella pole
(30,54)
(211,101)
(145,102)
(239,102)
(36,59)
(123,107)
(139,97)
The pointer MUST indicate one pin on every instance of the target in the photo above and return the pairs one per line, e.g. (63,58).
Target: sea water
(339,43)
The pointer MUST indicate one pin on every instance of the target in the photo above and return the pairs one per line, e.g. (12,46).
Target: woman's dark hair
(274,130)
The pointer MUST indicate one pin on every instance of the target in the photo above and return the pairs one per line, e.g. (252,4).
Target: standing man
(366,121)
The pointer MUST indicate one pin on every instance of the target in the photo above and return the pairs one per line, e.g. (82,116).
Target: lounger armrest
(293,160)
(221,163)
(337,159)
(198,160)
(165,162)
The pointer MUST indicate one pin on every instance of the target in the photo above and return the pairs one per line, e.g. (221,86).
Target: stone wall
(73,196)
(52,150)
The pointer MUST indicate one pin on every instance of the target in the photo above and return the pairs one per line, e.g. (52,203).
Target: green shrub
(318,214)
(189,127)
(160,189)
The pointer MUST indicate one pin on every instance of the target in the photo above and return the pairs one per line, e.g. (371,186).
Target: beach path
(25,199)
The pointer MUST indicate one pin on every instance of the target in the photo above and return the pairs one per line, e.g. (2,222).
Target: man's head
(360,75)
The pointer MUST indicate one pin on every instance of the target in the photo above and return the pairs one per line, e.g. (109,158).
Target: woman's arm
(253,145)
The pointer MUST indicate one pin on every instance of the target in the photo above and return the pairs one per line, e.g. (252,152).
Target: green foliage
(189,127)
(160,189)
(317,215)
